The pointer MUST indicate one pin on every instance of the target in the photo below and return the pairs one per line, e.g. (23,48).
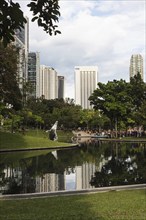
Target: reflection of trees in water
(37,166)
(16,180)
(123,164)
(13,187)
(116,163)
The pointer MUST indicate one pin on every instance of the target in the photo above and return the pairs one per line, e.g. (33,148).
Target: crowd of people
(131,132)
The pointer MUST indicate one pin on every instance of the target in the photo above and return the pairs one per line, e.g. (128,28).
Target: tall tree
(140,115)
(45,12)
(9,89)
(113,100)
(137,91)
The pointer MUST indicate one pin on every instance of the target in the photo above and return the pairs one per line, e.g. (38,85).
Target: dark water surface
(92,164)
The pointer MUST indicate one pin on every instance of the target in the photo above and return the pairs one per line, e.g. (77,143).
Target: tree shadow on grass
(52,208)
(11,141)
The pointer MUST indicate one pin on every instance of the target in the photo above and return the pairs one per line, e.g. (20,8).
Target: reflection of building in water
(24,183)
(84,174)
(14,174)
(50,182)
(102,162)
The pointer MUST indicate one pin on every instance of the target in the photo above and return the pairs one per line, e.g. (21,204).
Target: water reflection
(92,164)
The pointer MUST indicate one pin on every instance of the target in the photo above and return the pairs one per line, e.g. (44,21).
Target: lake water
(92,164)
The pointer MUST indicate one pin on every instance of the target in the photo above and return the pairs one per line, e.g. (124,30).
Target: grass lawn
(32,139)
(114,205)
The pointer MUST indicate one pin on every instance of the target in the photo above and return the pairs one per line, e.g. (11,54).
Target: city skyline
(103,34)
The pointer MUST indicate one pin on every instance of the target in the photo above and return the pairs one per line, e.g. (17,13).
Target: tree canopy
(9,89)
(66,113)
(112,99)
(45,12)
(137,91)
(120,101)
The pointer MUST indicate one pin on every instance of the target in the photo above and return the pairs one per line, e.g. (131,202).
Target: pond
(92,164)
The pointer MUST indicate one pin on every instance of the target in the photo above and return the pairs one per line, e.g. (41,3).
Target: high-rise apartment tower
(136,65)
(48,83)
(85,84)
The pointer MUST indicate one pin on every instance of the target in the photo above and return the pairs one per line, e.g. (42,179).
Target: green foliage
(112,100)
(11,18)
(114,107)
(69,116)
(45,12)
(9,89)
(30,119)
(120,101)
(137,91)
(138,94)
(66,113)
(140,115)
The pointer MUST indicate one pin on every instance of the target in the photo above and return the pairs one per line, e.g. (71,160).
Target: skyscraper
(22,43)
(85,84)
(48,83)
(23,34)
(33,72)
(136,65)
(61,87)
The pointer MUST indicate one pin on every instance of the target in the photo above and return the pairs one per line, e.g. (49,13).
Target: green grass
(31,139)
(114,205)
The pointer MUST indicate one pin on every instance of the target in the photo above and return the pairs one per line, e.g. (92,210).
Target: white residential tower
(85,84)
(48,83)
(136,65)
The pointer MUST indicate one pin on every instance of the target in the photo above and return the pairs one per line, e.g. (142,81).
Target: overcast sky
(94,33)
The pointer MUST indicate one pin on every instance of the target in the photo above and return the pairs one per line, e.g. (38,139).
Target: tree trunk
(116,127)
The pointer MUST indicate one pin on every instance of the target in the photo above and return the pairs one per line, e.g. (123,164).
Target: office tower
(136,65)
(23,34)
(84,174)
(33,72)
(50,182)
(48,83)
(85,84)
(22,43)
(61,87)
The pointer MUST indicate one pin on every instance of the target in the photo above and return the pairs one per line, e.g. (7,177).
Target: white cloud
(103,33)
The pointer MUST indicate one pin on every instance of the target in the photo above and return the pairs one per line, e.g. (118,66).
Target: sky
(103,33)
